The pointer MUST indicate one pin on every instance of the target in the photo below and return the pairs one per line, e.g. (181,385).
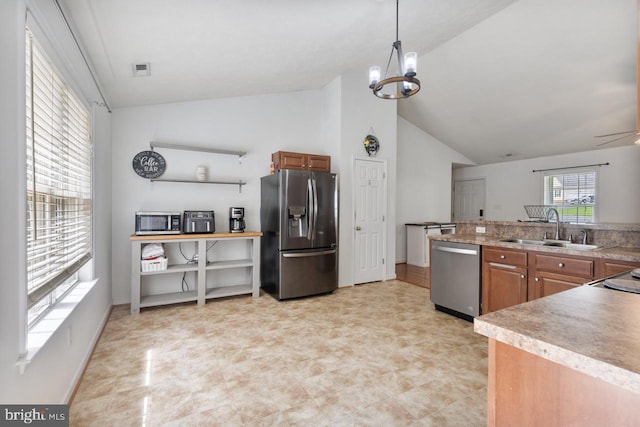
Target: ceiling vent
(142,69)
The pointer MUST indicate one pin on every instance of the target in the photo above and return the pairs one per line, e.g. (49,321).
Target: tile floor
(376,354)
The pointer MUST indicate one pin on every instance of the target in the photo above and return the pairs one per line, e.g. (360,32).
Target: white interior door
(369,220)
(468,196)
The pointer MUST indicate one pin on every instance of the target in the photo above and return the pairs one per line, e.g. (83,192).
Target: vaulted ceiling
(501,79)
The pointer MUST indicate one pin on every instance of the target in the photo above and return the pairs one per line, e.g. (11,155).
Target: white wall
(512,185)
(260,125)
(424,181)
(361,111)
(549,74)
(51,376)
(332,121)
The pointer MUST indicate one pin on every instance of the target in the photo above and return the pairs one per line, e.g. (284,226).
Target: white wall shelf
(203,269)
(227,291)
(238,183)
(217,265)
(170,146)
(177,268)
(170,298)
(239,154)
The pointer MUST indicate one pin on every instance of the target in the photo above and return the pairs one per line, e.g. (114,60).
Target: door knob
(358,228)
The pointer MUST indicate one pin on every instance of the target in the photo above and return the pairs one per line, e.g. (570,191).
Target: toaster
(198,222)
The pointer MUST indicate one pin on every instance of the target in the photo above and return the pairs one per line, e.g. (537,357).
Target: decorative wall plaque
(371,145)
(149,164)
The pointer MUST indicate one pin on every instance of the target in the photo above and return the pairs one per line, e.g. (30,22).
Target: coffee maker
(236,220)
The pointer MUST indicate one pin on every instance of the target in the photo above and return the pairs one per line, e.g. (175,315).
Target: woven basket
(157,264)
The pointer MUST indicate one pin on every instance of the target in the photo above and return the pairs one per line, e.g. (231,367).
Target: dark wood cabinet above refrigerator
(301,161)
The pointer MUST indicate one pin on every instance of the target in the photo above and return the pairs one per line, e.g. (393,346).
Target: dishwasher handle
(456,250)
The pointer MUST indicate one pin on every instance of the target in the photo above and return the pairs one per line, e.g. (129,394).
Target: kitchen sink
(524,241)
(569,245)
(554,243)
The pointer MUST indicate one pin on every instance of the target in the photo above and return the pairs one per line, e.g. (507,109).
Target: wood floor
(415,275)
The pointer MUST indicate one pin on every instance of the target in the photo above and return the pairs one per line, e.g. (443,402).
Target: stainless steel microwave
(149,223)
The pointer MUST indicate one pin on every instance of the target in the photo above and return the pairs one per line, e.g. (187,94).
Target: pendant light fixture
(405,83)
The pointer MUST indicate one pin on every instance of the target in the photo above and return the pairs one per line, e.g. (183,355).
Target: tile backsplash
(624,235)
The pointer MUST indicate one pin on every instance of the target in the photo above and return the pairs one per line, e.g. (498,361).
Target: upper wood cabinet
(301,161)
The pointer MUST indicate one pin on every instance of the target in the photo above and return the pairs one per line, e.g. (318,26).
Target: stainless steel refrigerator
(299,222)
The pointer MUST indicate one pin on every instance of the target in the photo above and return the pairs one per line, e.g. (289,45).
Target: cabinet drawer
(606,268)
(505,256)
(571,266)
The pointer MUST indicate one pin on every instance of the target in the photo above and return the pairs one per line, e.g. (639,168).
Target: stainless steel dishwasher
(455,278)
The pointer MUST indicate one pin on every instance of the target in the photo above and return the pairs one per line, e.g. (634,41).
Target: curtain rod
(569,167)
(73,36)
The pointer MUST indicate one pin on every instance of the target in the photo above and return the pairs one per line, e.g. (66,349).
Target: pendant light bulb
(410,64)
(374,76)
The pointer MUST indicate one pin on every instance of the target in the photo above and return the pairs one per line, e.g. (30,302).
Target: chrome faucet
(549,212)
(584,236)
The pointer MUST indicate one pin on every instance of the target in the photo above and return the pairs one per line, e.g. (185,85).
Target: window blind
(59,163)
(572,193)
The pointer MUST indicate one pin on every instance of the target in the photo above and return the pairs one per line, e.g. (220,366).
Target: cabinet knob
(561,265)
(358,228)
(502,256)
(537,279)
(522,276)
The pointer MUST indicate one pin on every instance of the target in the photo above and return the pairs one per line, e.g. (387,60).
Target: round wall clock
(149,164)
(371,145)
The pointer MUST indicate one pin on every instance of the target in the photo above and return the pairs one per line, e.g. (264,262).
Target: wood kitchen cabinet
(301,161)
(544,283)
(514,276)
(606,267)
(528,390)
(504,278)
(550,274)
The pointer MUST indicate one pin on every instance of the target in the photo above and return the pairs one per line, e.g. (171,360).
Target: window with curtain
(572,193)
(59,170)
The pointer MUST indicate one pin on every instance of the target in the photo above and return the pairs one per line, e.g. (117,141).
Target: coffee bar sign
(149,164)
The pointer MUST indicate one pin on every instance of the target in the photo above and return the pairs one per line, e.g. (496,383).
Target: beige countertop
(615,252)
(596,226)
(183,236)
(589,329)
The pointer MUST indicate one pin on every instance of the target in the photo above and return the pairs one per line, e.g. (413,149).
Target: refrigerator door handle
(315,205)
(310,211)
(308,254)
